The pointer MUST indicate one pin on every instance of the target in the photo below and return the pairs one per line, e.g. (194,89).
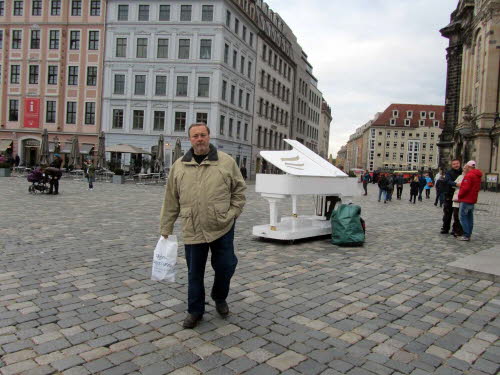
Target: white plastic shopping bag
(164,259)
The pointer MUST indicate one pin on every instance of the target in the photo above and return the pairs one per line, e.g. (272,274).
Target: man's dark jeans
(224,263)
(447,212)
(399,190)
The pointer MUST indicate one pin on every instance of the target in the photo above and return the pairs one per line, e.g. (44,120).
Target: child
(414,189)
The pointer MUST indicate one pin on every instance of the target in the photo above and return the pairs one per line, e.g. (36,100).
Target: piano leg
(294,206)
(273,212)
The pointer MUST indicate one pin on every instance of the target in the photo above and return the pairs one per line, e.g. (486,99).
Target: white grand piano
(306,173)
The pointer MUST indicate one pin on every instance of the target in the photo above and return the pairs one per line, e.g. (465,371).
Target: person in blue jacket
(422,182)
(428,186)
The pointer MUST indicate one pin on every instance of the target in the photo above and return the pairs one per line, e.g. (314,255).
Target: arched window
(478,58)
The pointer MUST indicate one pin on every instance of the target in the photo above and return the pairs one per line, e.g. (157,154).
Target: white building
(171,64)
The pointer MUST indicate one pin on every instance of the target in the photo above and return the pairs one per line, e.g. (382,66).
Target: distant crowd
(456,190)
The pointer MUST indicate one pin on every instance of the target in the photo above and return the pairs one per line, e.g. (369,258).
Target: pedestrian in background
(382,188)
(414,189)
(90,174)
(439,191)
(390,187)
(399,181)
(448,191)
(467,196)
(428,186)
(422,182)
(366,178)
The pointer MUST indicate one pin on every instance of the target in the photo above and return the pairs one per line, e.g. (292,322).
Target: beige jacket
(459,179)
(208,197)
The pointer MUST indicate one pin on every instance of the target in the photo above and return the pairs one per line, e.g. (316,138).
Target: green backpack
(347,226)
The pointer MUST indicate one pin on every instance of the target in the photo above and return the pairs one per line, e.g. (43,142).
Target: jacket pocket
(222,214)
(186,216)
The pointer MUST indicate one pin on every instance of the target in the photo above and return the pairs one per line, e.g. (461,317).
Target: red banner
(31,113)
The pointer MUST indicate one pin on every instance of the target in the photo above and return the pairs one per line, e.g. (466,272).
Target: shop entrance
(30,148)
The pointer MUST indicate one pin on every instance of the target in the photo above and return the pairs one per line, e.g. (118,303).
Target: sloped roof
(385,117)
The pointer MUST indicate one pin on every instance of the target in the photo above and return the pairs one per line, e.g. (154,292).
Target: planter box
(5,172)
(117,179)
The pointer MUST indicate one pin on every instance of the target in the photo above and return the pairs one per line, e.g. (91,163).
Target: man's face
(455,164)
(200,139)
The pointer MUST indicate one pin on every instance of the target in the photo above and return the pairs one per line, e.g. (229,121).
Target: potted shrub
(4,167)
(118,177)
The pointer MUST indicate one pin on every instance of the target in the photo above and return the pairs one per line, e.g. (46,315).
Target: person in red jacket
(467,196)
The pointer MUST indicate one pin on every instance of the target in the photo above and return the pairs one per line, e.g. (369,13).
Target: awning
(126,149)
(86,148)
(5,144)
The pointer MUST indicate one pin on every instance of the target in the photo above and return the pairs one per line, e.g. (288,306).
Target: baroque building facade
(324,129)
(51,58)
(472,85)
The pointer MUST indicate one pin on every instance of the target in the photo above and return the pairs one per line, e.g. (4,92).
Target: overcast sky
(368,54)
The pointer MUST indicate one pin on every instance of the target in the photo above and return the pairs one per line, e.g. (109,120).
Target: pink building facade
(51,61)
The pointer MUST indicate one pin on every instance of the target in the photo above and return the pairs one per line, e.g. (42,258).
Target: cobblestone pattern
(76,298)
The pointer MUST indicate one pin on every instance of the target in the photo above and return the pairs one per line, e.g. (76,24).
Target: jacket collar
(212,154)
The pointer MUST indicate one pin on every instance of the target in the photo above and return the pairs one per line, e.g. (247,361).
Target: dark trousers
(447,212)
(439,198)
(399,191)
(457,226)
(414,197)
(224,263)
(420,193)
(427,193)
(54,186)
(365,186)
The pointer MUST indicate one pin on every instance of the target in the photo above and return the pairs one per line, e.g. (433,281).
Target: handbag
(430,184)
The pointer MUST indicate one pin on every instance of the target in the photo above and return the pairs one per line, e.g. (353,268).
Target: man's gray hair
(198,124)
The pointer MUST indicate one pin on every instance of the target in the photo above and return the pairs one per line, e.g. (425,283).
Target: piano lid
(301,161)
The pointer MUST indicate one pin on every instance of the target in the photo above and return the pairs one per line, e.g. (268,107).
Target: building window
(1,39)
(236,26)
(15,73)
(393,122)
(238,129)
(162,48)
(207,13)
(226,53)
(228,18)
(164,13)
(18,8)
(76,7)
(35,39)
(203,86)
(422,114)
(233,93)
(121,47)
(55,8)
(224,90)
(36,8)
(221,124)
(52,75)
(206,49)
(119,85)
(50,115)
(92,76)
(395,113)
(421,122)
(245,132)
(122,12)
(95,7)
(235,58)
(249,70)
(138,119)
(230,132)
(240,98)
(117,119)
(140,85)
(161,86)
(436,123)
(432,115)
(143,12)
(250,41)
(184,45)
(13,110)
(71,113)
(186,12)
(180,122)
(90,113)
(74,40)
(242,65)
(73,75)
(33,74)
(202,118)
(142,48)
(407,122)
(159,120)
(16,39)
(244,34)
(93,40)
(182,86)
(247,102)
(425,135)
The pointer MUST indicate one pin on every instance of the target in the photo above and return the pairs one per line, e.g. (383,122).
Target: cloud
(368,54)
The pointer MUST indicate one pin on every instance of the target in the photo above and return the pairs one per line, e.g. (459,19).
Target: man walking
(399,180)
(448,190)
(205,188)
(467,196)
(366,178)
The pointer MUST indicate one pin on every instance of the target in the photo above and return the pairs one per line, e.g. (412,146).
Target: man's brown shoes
(191,320)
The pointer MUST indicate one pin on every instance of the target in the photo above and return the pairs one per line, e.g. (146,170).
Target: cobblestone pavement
(76,295)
